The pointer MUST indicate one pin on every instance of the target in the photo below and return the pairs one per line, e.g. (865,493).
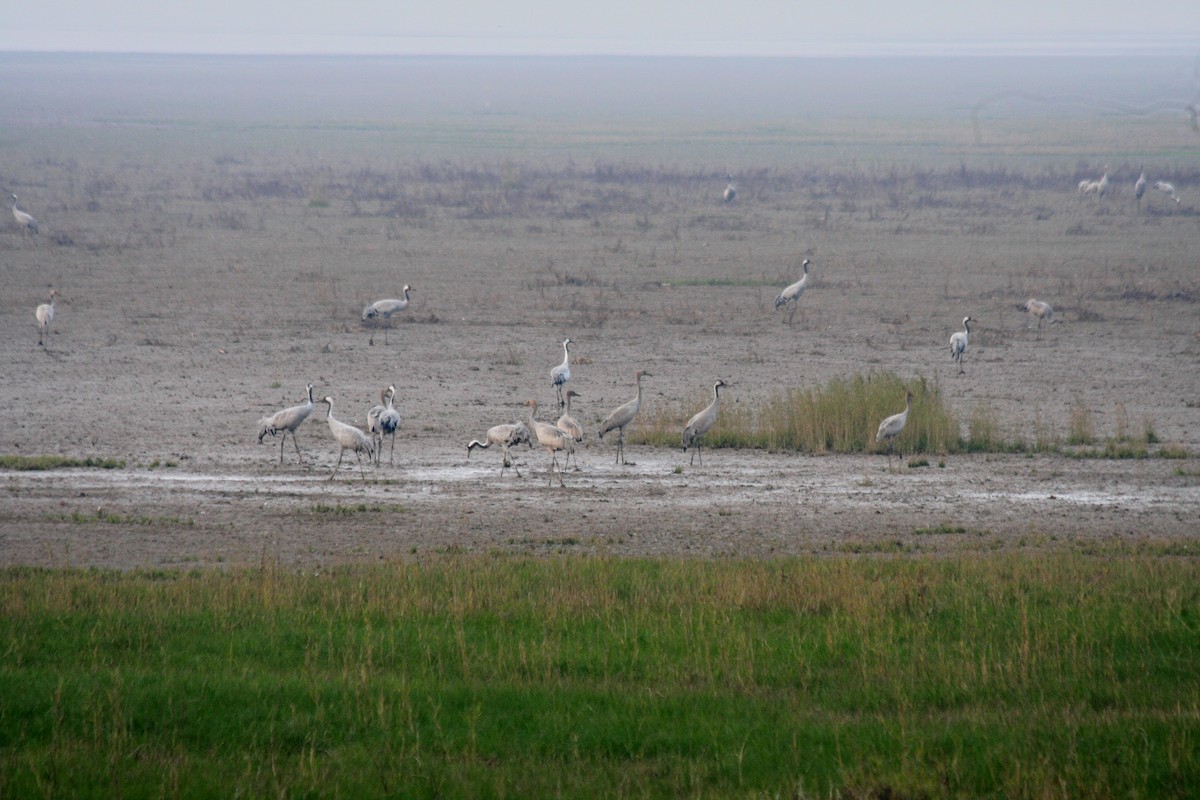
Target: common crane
(791,295)
(570,426)
(891,427)
(286,421)
(1043,311)
(348,437)
(29,225)
(551,439)
(622,415)
(958,344)
(45,315)
(383,309)
(505,436)
(562,373)
(699,424)
(384,420)
(1168,189)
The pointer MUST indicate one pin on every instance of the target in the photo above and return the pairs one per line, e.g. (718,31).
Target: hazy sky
(668,27)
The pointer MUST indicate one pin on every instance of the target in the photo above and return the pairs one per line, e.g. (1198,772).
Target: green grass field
(1058,675)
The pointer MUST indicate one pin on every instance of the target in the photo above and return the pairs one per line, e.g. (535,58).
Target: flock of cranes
(1101,187)
(563,436)
(566,434)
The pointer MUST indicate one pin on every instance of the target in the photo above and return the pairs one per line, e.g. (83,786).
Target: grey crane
(1139,188)
(622,415)
(570,426)
(383,309)
(505,436)
(29,225)
(958,344)
(791,295)
(562,373)
(1043,311)
(348,437)
(286,421)
(1167,189)
(384,420)
(550,438)
(699,424)
(891,427)
(45,315)
(730,193)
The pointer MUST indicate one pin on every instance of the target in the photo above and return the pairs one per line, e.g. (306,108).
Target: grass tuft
(34,463)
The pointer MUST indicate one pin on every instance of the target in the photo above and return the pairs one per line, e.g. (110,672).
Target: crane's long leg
(335,466)
(620,446)
(360,468)
(294,442)
(391,450)
(281,444)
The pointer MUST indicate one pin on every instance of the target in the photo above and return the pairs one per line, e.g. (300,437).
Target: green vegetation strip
(57,462)
(1060,675)
(843,416)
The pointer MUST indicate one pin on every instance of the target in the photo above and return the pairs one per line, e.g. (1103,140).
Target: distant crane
(551,439)
(622,415)
(383,309)
(891,427)
(1042,311)
(562,373)
(791,295)
(958,344)
(29,225)
(1139,188)
(730,193)
(286,421)
(570,426)
(699,424)
(1098,188)
(348,437)
(45,315)
(505,436)
(1167,189)
(384,420)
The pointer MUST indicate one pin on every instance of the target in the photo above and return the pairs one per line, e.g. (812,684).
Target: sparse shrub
(1082,428)
(983,432)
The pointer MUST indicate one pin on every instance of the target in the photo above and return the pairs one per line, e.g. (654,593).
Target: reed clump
(840,417)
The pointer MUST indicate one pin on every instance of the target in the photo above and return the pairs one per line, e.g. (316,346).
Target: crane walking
(383,309)
(551,439)
(622,415)
(348,437)
(791,295)
(505,436)
(701,423)
(1042,311)
(29,225)
(285,422)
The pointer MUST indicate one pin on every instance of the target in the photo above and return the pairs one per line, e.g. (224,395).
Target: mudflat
(214,242)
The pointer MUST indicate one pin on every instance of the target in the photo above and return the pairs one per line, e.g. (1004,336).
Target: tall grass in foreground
(1059,675)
